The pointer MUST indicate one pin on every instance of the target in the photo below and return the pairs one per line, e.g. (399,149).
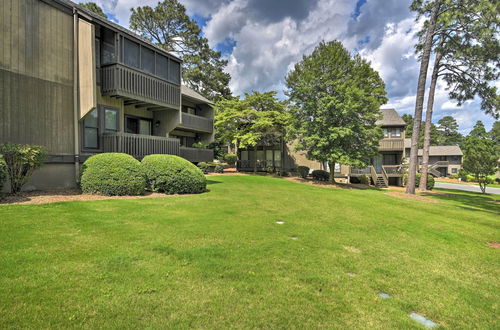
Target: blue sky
(263,39)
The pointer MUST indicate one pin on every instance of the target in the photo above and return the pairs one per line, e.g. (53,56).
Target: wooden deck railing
(197,123)
(121,80)
(391,144)
(140,145)
(197,154)
(393,170)
(360,171)
(262,165)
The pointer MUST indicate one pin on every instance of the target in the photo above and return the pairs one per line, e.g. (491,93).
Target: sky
(263,39)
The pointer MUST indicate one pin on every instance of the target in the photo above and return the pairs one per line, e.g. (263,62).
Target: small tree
(480,159)
(335,103)
(21,161)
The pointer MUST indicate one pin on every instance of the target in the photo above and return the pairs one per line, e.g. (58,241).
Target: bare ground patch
(495,245)
(411,197)
(54,196)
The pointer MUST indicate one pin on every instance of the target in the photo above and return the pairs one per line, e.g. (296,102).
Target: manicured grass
(491,185)
(219,260)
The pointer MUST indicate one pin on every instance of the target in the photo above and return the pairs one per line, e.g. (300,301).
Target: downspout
(75,96)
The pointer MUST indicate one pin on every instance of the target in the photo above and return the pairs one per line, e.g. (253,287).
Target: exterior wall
(50,176)
(36,75)
(293,158)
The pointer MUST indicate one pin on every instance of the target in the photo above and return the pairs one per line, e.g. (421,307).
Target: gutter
(75,97)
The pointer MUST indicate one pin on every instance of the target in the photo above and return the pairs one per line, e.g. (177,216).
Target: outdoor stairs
(380,182)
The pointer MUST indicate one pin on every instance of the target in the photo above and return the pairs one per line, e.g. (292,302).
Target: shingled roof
(195,96)
(390,118)
(438,150)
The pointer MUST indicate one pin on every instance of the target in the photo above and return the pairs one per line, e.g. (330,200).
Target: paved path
(466,187)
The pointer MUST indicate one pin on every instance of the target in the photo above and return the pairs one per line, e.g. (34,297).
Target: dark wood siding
(36,75)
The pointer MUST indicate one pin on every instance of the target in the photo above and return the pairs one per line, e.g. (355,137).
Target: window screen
(161,66)
(174,72)
(147,60)
(108,54)
(110,120)
(91,130)
(131,53)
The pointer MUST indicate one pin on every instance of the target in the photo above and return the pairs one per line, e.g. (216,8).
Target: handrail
(374,174)
(440,163)
(384,176)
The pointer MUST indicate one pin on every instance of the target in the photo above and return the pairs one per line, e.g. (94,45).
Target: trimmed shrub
(112,174)
(203,167)
(3,172)
(453,176)
(364,179)
(320,175)
(173,175)
(231,159)
(219,168)
(21,161)
(303,171)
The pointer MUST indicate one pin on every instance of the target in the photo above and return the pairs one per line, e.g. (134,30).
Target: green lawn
(491,185)
(219,260)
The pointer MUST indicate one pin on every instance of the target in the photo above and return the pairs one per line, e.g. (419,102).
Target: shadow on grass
(469,202)
(212,182)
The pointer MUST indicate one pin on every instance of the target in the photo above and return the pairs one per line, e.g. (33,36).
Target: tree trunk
(428,120)
(419,101)
(331,165)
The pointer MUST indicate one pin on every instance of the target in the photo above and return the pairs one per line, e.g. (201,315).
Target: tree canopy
(448,132)
(335,103)
(93,7)
(168,26)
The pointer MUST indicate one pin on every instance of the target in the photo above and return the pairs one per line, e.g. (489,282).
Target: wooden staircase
(380,183)
(379,180)
(432,169)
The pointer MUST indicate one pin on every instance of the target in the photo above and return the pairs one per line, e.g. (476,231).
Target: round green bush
(231,159)
(430,180)
(112,174)
(173,175)
(303,171)
(320,175)
(364,179)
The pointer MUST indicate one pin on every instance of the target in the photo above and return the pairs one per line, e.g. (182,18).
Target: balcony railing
(121,80)
(360,171)
(262,165)
(140,145)
(393,170)
(391,144)
(197,154)
(197,123)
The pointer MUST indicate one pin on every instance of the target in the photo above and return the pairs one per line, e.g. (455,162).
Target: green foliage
(93,7)
(429,184)
(203,167)
(231,159)
(173,175)
(168,26)
(454,176)
(260,118)
(200,145)
(3,173)
(320,175)
(448,132)
(270,169)
(303,171)
(495,135)
(21,160)
(219,168)
(480,159)
(335,102)
(364,179)
(112,174)
(435,135)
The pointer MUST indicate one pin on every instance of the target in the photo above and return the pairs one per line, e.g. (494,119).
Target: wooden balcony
(139,146)
(197,155)
(196,123)
(391,144)
(122,81)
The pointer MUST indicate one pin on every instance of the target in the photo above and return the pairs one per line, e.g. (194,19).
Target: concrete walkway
(466,187)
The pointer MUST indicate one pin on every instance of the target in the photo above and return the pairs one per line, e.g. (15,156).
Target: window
(161,66)
(147,60)
(277,158)
(337,167)
(110,120)
(386,132)
(136,125)
(131,54)
(191,111)
(174,71)
(396,132)
(442,158)
(269,155)
(108,54)
(260,155)
(244,155)
(91,130)
(454,170)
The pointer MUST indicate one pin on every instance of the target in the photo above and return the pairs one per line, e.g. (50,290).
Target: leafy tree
(434,136)
(168,26)
(408,119)
(335,101)
(448,131)
(93,7)
(258,119)
(495,135)
(479,157)
(467,54)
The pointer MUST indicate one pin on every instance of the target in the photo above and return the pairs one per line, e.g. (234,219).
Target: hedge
(3,172)
(303,171)
(173,175)
(320,175)
(112,174)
